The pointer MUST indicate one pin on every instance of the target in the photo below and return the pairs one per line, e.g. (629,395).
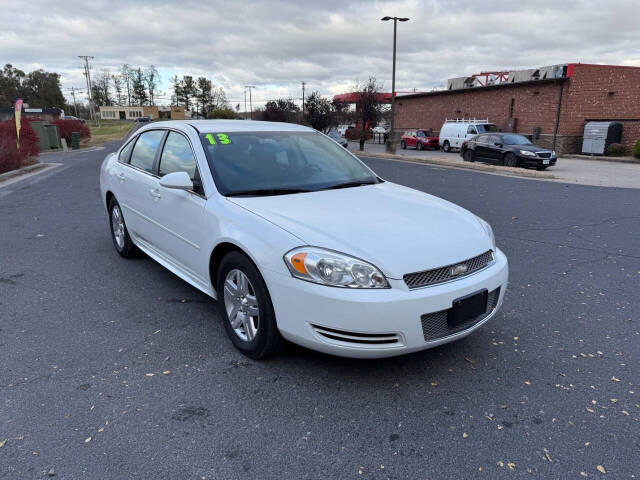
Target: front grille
(544,154)
(443,274)
(434,325)
(357,338)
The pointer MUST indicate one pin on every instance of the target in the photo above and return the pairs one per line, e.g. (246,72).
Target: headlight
(489,230)
(527,153)
(333,268)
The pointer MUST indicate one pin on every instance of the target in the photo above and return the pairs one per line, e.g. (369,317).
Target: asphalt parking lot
(118,369)
(567,170)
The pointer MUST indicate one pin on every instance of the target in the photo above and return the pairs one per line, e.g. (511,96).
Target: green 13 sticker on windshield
(218,138)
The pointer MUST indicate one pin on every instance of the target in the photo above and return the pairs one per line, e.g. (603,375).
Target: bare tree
(151,78)
(368,107)
(118,87)
(126,79)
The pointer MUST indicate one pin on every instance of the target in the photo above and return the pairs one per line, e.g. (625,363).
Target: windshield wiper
(265,192)
(349,184)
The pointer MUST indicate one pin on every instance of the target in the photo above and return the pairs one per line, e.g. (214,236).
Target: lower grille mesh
(434,325)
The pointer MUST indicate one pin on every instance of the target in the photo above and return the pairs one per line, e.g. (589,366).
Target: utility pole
(245,103)
(250,104)
(303,84)
(75,104)
(87,74)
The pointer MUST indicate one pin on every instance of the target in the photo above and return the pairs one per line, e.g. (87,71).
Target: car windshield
(486,127)
(272,163)
(512,139)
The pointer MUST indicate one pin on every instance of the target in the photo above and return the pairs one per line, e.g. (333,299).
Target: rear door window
(177,156)
(144,152)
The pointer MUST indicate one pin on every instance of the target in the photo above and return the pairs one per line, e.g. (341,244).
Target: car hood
(398,229)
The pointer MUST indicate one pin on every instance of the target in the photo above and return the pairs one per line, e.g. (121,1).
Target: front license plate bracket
(467,308)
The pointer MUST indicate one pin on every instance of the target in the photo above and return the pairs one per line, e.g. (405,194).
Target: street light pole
(391,141)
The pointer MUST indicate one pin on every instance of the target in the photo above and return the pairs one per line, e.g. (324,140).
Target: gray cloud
(329,44)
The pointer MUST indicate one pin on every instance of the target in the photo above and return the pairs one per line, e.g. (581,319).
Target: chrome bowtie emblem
(459,269)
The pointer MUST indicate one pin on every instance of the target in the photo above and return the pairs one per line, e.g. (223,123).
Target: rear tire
(469,156)
(403,145)
(119,233)
(242,292)
(446,146)
(510,160)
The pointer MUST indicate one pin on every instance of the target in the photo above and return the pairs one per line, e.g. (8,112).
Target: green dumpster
(75,140)
(54,136)
(42,134)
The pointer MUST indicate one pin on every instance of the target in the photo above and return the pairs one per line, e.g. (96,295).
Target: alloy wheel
(241,305)
(117,224)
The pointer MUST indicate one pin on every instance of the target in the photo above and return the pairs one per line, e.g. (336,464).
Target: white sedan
(297,239)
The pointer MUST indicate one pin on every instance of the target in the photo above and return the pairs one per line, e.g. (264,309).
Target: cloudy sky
(329,44)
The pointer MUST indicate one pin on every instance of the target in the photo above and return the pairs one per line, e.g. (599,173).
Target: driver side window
(177,156)
(471,130)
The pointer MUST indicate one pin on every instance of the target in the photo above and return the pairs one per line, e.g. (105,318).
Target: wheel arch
(108,196)
(218,253)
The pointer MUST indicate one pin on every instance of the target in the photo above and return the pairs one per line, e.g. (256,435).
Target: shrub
(10,157)
(617,150)
(636,149)
(67,127)
(354,133)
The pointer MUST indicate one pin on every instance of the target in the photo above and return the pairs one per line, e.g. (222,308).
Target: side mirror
(177,181)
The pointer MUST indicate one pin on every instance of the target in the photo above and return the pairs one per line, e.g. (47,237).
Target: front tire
(446,146)
(119,233)
(245,307)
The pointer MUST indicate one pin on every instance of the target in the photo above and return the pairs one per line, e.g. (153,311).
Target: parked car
(342,129)
(297,239)
(421,139)
(143,119)
(380,129)
(336,137)
(454,132)
(71,117)
(509,149)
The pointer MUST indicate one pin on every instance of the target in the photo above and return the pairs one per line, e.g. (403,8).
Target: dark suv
(508,149)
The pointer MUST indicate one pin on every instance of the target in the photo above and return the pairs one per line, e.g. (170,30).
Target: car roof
(225,126)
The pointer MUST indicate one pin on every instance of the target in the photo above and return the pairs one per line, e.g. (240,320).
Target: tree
(42,89)
(151,78)
(281,110)
(188,91)
(118,86)
(177,90)
(139,92)
(100,90)
(126,79)
(222,112)
(203,95)
(320,113)
(368,109)
(11,80)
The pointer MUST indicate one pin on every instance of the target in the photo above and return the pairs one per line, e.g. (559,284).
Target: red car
(420,139)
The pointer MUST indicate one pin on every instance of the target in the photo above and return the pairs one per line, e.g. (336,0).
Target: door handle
(155,193)
(121,176)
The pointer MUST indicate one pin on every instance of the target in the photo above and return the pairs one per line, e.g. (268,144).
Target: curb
(22,171)
(445,162)
(26,171)
(600,158)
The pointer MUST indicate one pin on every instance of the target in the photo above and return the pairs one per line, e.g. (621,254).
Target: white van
(454,132)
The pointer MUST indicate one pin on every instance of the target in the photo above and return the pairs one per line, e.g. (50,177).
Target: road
(118,369)
(567,170)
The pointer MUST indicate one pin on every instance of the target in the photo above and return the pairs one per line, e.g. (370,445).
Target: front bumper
(310,315)
(528,161)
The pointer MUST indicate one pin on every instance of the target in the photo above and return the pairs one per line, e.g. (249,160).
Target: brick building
(552,110)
